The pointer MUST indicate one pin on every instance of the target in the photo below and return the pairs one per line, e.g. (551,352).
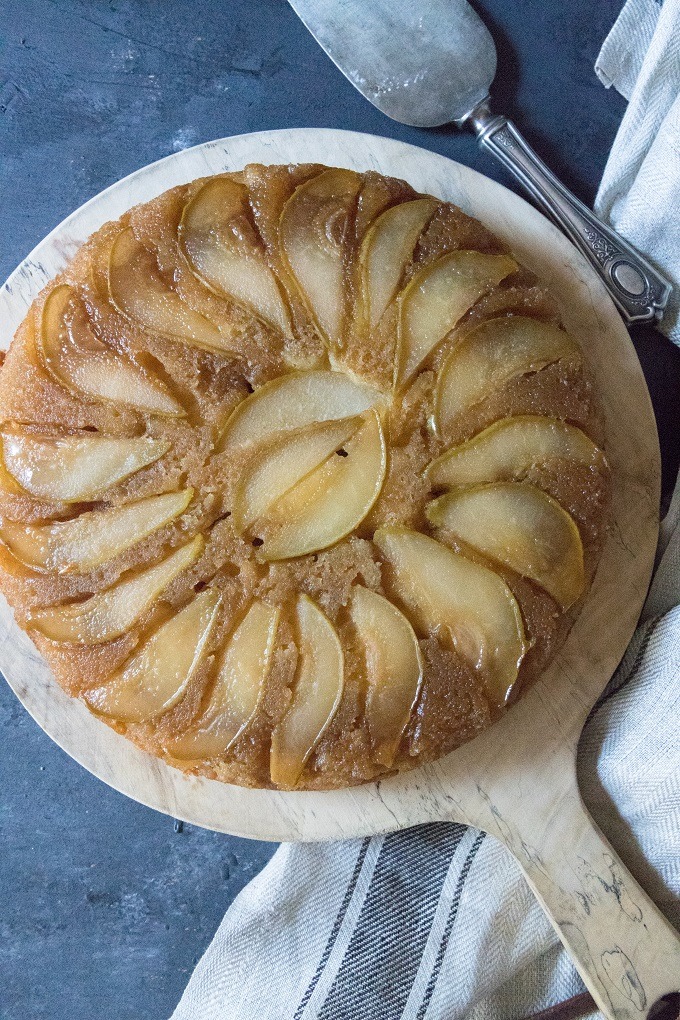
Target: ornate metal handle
(638,290)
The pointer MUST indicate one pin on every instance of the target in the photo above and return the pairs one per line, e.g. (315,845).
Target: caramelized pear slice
(8,484)
(294,401)
(436,299)
(491,354)
(221,247)
(139,293)
(76,469)
(94,538)
(317,692)
(241,676)
(157,675)
(394,669)
(313,230)
(330,502)
(520,526)
(444,591)
(78,360)
(510,448)
(112,612)
(386,251)
(278,467)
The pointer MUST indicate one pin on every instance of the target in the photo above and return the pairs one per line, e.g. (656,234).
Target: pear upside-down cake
(301,481)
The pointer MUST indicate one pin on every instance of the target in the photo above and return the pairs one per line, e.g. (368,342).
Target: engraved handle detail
(638,290)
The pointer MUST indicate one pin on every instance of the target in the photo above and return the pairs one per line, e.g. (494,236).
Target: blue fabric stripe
(384,953)
(455,902)
(335,929)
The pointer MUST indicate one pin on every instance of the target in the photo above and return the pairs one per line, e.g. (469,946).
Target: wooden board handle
(625,950)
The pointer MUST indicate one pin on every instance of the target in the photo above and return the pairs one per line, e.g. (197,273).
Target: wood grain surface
(517,780)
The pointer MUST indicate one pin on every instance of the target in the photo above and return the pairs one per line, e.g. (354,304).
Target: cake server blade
(423,64)
(432,62)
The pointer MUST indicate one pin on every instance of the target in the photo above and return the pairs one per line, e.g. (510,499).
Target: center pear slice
(491,354)
(313,231)
(437,298)
(93,538)
(330,501)
(521,526)
(112,612)
(276,469)
(394,669)
(386,251)
(157,676)
(78,360)
(241,676)
(510,448)
(220,245)
(317,691)
(8,484)
(445,592)
(294,401)
(139,293)
(77,468)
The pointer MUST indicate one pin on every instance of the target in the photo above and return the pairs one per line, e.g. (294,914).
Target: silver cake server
(432,62)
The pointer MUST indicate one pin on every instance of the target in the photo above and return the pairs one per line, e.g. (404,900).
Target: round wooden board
(532,750)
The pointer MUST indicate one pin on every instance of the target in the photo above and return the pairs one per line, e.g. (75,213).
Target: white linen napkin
(436,923)
(640,190)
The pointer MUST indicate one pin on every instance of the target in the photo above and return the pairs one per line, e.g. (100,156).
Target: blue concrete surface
(105,907)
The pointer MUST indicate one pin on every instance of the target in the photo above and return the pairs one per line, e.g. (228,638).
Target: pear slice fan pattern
(301,477)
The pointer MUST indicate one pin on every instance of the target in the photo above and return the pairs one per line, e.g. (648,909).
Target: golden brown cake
(301,478)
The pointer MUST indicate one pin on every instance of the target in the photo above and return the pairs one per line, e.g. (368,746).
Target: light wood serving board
(516,781)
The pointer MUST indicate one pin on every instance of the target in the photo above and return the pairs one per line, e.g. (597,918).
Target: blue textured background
(105,907)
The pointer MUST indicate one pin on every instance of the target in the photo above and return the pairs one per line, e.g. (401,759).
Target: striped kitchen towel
(640,190)
(436,922)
